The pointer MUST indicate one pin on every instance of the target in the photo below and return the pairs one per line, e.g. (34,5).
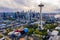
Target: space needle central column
(41,25)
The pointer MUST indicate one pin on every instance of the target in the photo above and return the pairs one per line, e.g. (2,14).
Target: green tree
(30,31)
(50,26)
(43,32)
(7,31)
(1,36)
(35,26)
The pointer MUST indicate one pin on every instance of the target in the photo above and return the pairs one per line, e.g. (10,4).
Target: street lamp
(41,25)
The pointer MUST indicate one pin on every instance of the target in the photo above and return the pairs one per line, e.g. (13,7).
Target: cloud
(5,9)
(17,5)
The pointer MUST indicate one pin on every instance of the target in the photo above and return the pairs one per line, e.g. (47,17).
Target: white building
(54,35)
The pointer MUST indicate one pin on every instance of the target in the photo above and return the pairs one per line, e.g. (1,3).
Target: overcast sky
(18,5)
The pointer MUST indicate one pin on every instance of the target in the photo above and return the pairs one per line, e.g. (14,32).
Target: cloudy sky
(18,5)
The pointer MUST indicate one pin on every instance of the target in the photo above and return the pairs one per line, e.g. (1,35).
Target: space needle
(40,19)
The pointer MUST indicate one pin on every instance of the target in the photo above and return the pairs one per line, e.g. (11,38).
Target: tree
(43,32)
(37,32)
(1,36)
(35,26)
(30,31)
(50,26)
(7,31)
